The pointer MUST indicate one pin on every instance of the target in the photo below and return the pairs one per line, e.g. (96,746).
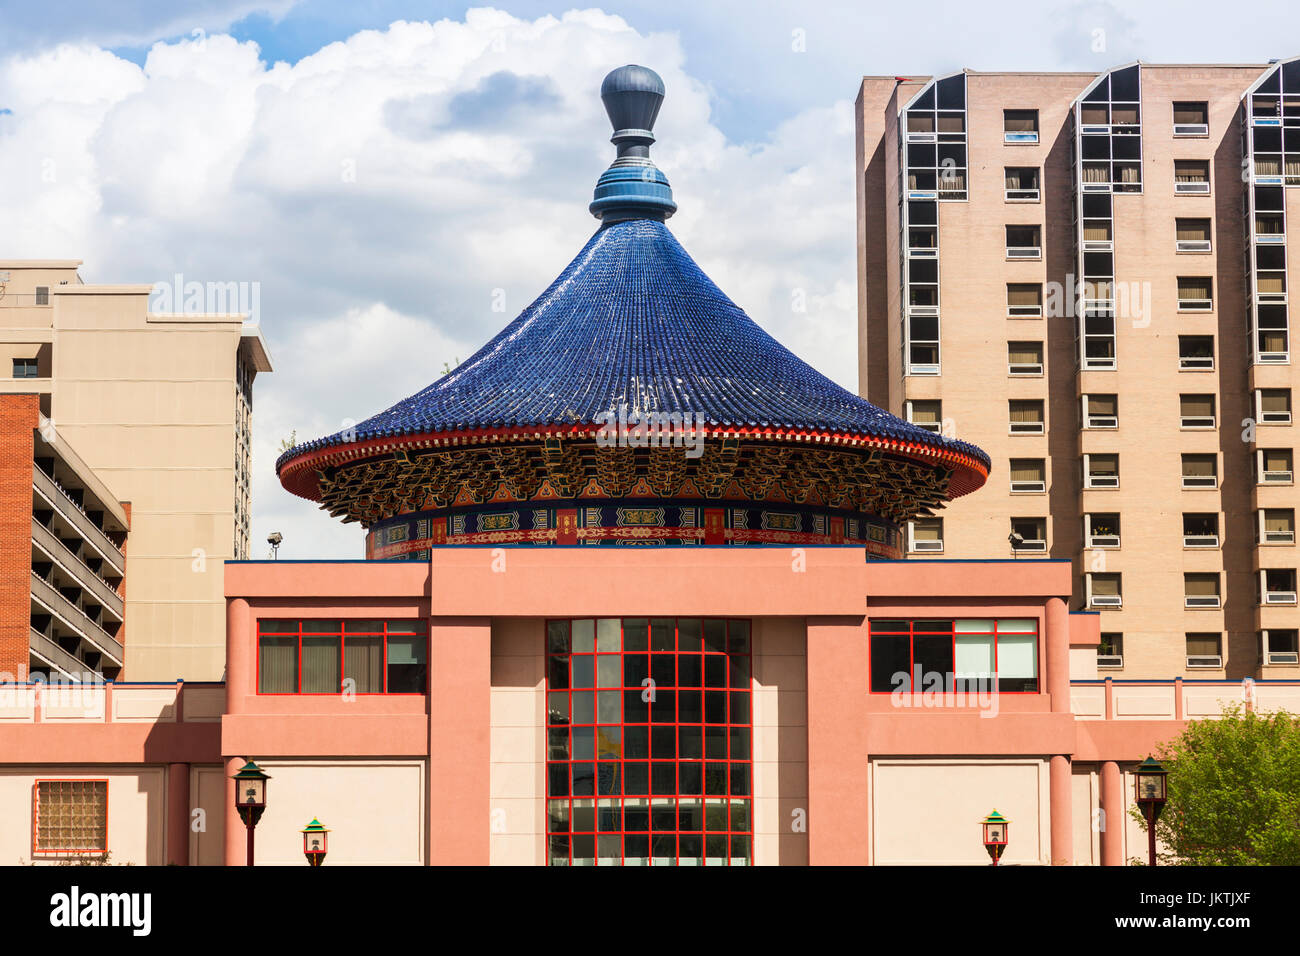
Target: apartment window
(334,656)
(1201,590)
(42,295)
(1195,294)
(1205,650)
(1020,126)
(1276,526)
(1200,530)
(1097,235)
(71,818)
(1101,529)
(926,414)
(659,781)
(1104,590)
(1097,332)
(1022,184)
(965,654)
(1024,300)
(1191,119)
(1196,353)
(1026,416)
(1193,235)
(1028,475)
(1200,471)
(1024,242)
(1271,336)
(1101,411)
(1273,466)
(26,368)
(1273,406)
(1191,177)
(1025,358)
(925,535)
(1029,535)
(1277,586)
(1101,471)
(923,344)
(1196,411)
(922,242)
(1280,646)
(1110,650)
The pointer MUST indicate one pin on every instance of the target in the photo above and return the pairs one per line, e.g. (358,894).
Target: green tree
(1234,792)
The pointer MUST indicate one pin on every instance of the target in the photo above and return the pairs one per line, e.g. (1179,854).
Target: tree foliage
(1234,792)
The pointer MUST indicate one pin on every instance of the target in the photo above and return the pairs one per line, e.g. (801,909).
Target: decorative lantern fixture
(995,835)
(315,842)
(1151,792)
(250,798)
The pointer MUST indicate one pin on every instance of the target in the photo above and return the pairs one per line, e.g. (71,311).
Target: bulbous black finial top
(633,187)
(632,96)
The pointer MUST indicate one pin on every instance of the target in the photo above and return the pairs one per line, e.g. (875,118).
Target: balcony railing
(48,650)
(77,619)
(104,592)
(59,499)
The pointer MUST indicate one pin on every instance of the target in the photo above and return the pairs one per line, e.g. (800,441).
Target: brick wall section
(19,414)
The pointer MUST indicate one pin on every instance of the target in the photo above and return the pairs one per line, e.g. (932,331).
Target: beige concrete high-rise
(158,405)
(1086,275)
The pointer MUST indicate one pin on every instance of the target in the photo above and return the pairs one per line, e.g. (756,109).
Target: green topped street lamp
(1150,782)
(315,842)
(250,798)
(995,834)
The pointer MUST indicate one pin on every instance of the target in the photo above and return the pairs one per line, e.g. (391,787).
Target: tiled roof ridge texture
(634,321)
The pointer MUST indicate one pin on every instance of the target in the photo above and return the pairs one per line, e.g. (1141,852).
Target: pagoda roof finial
(633,187)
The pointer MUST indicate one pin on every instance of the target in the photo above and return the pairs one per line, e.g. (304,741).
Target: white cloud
(382,189)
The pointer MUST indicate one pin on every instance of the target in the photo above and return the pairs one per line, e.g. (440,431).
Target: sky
(397,179)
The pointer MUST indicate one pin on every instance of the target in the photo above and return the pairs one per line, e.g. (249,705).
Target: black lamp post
(315,842)
(250,799)
(995,835)
(1151,796)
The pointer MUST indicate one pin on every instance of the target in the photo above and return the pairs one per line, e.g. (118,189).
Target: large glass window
(964,655)
(649,749)
(334,656)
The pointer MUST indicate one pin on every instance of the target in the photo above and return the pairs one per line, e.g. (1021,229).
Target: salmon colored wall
(137,798)
(517,778)
(460,750)
(780,741)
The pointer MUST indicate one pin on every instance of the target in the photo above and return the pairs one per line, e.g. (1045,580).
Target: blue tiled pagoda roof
(634,321)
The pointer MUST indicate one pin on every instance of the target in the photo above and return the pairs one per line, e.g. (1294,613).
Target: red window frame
(926,630)
(37,850)
(303,630)
(609,796)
